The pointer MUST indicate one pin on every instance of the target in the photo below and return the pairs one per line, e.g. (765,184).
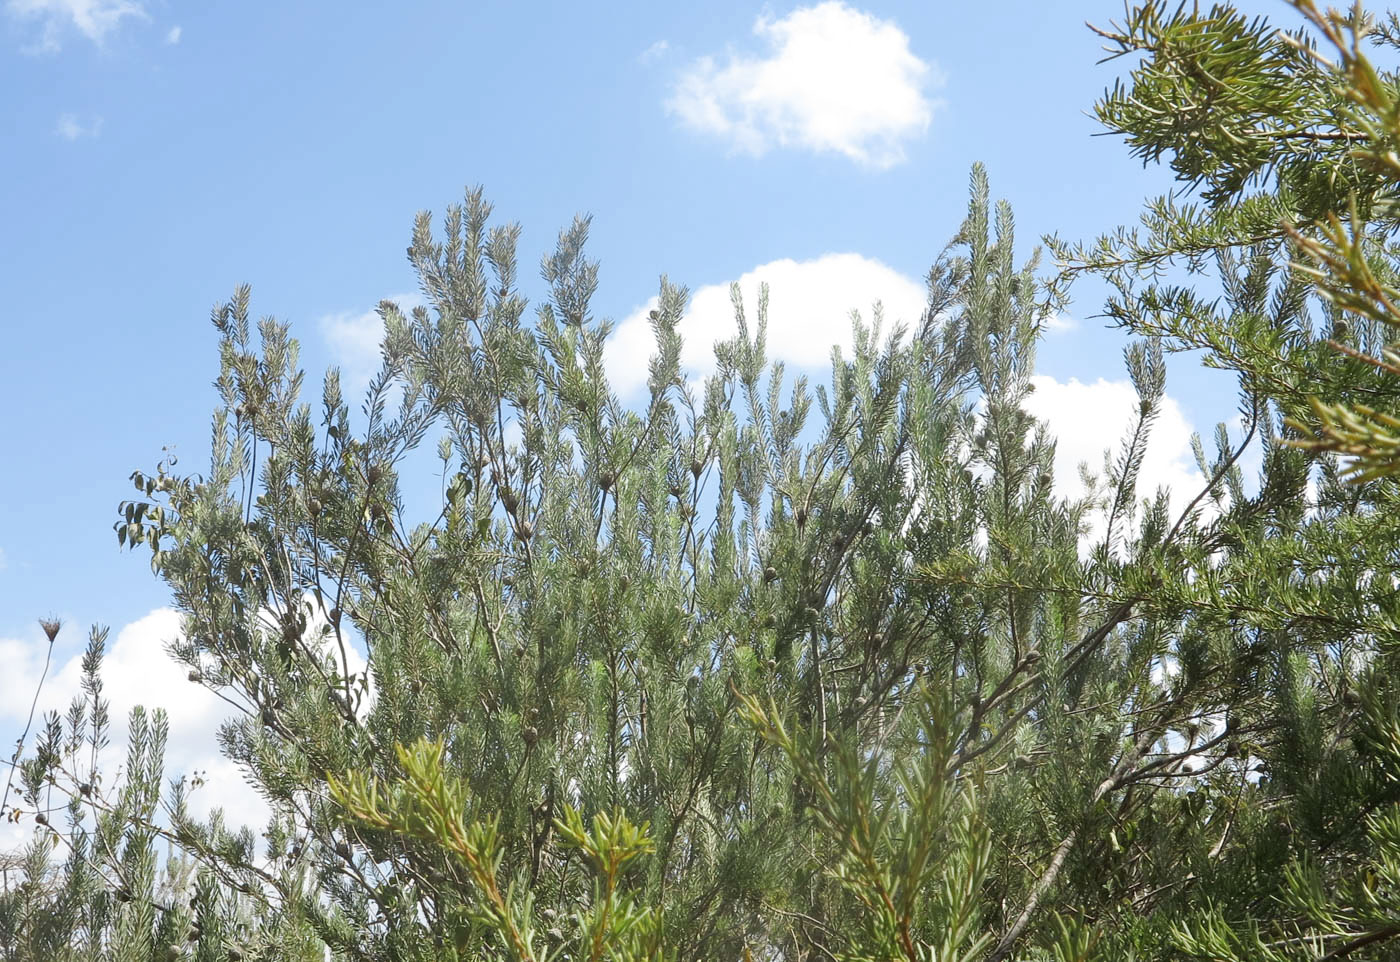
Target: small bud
(509,500)
(623,583)
(605,480)
(801,516)
(1340,328)
(195,677)
(772,664)
(533,715)
(85,789)
(123,895)
(770,621)
(530,734)
(696,467)
(374,473)
(313,506)
(41,818)
(675,491)
(770,574)
(866,529)
(525,531)
(1032,657)
(334,615)
(51,627)
(234,955)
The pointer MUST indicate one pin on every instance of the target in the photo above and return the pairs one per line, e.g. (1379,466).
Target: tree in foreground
(755,669)
(1289,139)
(604,674)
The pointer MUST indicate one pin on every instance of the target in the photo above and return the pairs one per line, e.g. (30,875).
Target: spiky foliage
(1286,137)
(99,881)
(717,616)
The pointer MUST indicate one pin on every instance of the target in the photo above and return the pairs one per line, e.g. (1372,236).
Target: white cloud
(355,339)
(834,79)
(809,311)
(70,128)
(172,36)
(655,52)
(136,670)
(94,19)
(1058,323)
(1087,419)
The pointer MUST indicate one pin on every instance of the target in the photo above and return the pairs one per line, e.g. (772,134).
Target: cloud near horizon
(834,79)
(136,670)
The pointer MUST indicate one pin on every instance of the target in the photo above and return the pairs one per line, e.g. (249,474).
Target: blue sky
(158,153)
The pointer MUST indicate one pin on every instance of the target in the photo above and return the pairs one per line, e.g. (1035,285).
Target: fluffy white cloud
(70,128)
(809,311)
(94,19)
(355,338)
(136,670)
(1087,419)
(1059,324)
(172,36)
(834,79)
